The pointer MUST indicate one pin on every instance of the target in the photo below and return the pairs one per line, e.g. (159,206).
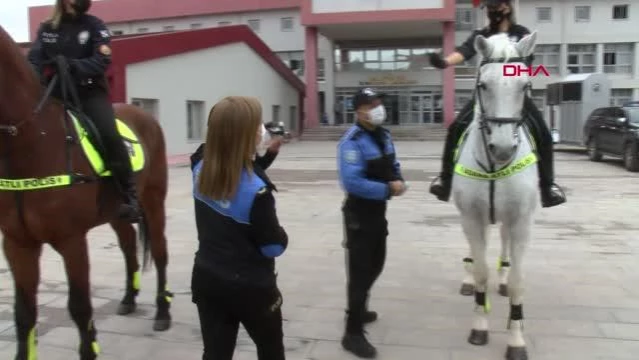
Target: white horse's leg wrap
(469,278)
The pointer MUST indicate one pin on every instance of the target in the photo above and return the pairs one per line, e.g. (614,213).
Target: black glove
(62,63)
(437,61)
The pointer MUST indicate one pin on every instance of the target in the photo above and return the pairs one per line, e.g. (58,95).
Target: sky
(13,17)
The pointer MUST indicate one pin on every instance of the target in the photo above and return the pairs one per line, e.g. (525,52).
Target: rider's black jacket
(516,32)
(84,40)
(240,248)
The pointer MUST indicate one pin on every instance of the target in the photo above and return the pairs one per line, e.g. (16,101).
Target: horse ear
(526,46)
(483,47)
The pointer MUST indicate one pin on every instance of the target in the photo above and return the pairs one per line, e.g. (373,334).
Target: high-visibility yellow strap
(34,183)
(508,171)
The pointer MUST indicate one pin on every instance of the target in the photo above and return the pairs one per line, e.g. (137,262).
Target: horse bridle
(485,120)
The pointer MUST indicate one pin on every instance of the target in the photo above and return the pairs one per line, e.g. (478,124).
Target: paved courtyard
(582,273)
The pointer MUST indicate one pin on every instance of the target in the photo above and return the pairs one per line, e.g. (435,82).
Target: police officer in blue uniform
(369,173)
(82,41)
(234,279)
(501,16)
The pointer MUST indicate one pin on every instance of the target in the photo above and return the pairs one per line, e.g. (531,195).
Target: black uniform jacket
(83,40)
(516,33)
(241,251)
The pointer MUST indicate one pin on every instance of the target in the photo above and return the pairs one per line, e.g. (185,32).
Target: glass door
(427,109)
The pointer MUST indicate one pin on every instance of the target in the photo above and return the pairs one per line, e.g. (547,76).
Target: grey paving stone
(580,300)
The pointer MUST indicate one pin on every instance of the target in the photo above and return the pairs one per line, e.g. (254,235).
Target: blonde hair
(231,139)
(56,15)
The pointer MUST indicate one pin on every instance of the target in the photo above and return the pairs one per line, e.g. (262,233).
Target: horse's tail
(144,241)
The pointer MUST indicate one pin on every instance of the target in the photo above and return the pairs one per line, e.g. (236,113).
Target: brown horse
(39,206)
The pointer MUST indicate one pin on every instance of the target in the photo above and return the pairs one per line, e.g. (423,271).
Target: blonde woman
(239,235)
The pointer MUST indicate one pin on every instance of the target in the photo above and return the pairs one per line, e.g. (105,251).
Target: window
(168,28)
(618,58)
(582,13)
(400,59)
(143,30)
(548,56)
(464,19)
(620,12)
(294,60)
(148,105)
(223,23)
(619,97)
(254,24)
(292,117)
(544,14)
(321,69)
(117,32)
(195,120)
(581,58)
(196,26)
(276,113)
(286,24)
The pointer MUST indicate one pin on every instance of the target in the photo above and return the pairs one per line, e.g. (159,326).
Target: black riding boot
(130,209)
(442,185)
(354,339)
(551,194)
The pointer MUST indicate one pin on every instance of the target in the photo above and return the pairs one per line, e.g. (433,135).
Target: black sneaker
(359,346)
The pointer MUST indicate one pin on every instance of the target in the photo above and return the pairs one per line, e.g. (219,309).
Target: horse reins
(485,129)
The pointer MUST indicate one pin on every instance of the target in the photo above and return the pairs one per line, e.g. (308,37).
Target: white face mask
(377,115)
(265,139)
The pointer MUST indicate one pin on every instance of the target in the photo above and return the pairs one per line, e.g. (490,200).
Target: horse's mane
(13,63)
(503,47)
(17,80)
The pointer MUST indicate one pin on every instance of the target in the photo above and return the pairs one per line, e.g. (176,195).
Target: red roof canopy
(134,49)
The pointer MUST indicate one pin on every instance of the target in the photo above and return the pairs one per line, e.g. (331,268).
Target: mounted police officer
(239,235)
(81,42)
(370,175)
(501,16)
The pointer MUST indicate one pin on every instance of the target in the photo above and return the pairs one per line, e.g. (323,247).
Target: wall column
(563,60)
(448,76)
(311,107)
(635,68)
(599,58)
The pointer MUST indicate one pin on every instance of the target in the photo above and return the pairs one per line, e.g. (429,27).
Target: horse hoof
(516,353)
(478,337)
(467,290)
(162,324)
(126,309)
(503,290)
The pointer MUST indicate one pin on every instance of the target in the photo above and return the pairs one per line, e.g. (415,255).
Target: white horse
(496,179)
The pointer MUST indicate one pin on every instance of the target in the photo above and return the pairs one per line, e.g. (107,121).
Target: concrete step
(425,132)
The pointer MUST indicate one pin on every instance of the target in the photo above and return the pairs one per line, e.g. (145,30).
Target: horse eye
(482,85)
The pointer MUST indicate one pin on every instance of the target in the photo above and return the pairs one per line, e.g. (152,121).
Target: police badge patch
(351,156)
(83,37)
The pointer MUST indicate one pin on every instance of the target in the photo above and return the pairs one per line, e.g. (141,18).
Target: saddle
(80,128)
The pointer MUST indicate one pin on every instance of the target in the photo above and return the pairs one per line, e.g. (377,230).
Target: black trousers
(365,242)
(533,118)
(97,106)
(223,306)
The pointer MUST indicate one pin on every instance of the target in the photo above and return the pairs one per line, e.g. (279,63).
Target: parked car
(614,131)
